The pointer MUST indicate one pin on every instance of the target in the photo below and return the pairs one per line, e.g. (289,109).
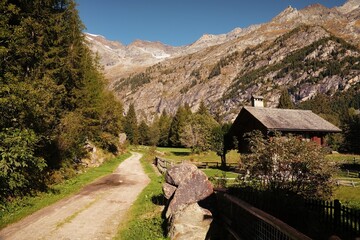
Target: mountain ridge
(210,67)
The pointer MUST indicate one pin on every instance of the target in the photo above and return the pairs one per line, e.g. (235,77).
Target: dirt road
(94,213)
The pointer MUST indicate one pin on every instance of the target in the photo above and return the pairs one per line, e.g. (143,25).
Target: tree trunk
(223,161)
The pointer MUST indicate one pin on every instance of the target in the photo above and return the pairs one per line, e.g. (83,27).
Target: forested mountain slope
(308,51)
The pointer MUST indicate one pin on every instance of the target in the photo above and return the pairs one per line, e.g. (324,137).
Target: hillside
(309,51)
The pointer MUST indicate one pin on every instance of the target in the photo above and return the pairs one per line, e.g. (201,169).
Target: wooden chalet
(303,123)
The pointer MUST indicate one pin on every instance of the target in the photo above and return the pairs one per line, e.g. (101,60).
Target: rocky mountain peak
(315,9)
(286,15)
(349,6)
(102,40)
(138,43)
(236,32)
(209,39)
(142,43)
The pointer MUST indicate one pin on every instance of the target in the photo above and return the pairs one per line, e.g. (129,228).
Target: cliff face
(309,51)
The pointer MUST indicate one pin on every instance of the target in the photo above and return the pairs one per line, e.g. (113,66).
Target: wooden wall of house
(244,123)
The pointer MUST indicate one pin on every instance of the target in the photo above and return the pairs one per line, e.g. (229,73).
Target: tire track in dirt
(94,213)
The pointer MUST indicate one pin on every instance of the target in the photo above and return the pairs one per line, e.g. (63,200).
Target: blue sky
(179,22)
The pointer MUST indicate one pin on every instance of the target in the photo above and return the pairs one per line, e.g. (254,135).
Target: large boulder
(181,173)
(168,190)
(185,186)
(191,223)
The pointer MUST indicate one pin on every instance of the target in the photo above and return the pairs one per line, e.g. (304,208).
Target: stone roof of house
(291,120)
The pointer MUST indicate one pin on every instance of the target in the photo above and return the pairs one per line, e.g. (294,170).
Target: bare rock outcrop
(185,186)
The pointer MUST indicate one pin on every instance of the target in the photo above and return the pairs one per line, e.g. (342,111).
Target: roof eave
(304,130)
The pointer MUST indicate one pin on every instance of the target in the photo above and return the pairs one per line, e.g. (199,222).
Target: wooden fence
(162,164)
(315,218)
(345,221)
(353,174)
(243,221)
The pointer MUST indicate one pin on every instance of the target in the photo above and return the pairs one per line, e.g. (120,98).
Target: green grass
(182,154)
(20,208)
(210,172)
(144,219)
(218,177)
(349,196)
(343,158)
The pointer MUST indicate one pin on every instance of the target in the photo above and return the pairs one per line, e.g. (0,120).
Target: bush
(20,168)
(289,164)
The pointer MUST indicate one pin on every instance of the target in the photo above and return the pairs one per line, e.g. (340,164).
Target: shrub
(19,165)
(289,164)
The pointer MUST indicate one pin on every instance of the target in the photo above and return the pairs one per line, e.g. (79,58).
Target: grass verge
(343,158)
(349,196)
(20,208)
(212,172)
(181,154)
(144,219)
(221,179)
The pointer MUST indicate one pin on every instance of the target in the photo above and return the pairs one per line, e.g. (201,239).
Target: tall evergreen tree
(202,110)
(144,133)
(285,100)
(352,134)
(131,126)
(177,124)
(154,132)
(164,128)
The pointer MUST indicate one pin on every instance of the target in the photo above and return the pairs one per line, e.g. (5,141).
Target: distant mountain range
(308,51)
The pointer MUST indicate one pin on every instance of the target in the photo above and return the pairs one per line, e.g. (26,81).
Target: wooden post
(337,213)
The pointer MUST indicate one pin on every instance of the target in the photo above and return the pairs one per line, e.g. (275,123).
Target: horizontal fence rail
(162,164)
(344,220)
(244,221)
(315,218)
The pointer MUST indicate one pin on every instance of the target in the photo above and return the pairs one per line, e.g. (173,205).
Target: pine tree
(177,124)
(285,100)
(154,132)
(352,134)
(130,125)
(144,133)
(164,128)
(202,110)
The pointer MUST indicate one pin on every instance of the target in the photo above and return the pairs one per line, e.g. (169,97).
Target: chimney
(257,101)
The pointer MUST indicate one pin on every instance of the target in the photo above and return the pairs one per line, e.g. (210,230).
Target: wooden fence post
(337,213)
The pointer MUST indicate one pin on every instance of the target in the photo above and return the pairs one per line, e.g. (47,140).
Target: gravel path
(94,213)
